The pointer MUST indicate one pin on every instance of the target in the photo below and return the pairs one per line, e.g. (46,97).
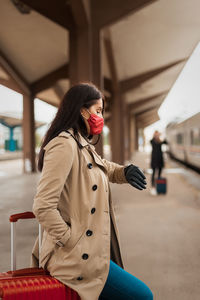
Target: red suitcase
(30,283)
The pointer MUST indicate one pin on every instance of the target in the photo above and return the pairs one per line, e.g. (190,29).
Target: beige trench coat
(73,205)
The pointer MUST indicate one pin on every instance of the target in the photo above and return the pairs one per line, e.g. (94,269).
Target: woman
(74,206)
(157,162)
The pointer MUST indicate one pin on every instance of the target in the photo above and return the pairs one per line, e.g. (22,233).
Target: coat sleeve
(152,142)
(58,160)
(165,142)
(115,172)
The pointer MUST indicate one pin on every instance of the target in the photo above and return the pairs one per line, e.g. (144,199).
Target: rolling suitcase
(161,185)
(30,283)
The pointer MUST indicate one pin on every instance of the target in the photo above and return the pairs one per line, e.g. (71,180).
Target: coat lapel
(84,143)
(95,156)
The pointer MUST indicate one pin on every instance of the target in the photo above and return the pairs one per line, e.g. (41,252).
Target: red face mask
(96,124)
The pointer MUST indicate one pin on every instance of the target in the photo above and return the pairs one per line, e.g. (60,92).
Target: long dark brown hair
(68,114)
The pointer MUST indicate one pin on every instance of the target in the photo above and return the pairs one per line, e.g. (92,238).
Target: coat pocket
(70,248)
(74,240)
(47,251)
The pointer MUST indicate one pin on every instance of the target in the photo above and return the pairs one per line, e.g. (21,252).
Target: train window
(179,138)
(195,136)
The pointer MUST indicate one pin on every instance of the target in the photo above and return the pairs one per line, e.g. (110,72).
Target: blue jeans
(121,285)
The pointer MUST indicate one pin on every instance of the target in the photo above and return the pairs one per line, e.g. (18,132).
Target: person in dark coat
(157,162)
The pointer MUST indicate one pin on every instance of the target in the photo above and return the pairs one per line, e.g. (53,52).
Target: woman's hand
(135,177)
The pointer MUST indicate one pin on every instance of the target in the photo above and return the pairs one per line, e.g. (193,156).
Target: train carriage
(184,141)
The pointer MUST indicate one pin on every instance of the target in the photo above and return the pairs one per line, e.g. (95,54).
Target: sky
(183,100)
(11,102)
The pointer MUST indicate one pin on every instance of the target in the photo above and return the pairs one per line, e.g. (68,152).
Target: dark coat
(157,155)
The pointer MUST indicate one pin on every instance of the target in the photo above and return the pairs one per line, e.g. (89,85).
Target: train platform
(8,155)
(159,234)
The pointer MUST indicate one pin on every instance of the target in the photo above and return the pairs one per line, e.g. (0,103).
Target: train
(184,141)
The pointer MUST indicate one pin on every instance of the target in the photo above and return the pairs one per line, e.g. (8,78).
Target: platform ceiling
(149,46)
(13,119)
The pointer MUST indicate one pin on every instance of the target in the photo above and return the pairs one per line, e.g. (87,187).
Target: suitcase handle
(27,272)
(25,215)
(13,219)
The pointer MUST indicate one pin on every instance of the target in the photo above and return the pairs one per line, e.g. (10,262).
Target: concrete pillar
(28,134)
(133,135)
(85,60)
(108,155)
(80,56)
(118,127)
(136,136)
(130,135)
(126,120)
(118,109)
(143,138)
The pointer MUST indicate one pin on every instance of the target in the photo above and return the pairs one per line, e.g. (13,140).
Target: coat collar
(82,140)
(84,143)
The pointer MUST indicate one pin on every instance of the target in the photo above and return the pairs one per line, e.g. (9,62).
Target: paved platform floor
(159,234)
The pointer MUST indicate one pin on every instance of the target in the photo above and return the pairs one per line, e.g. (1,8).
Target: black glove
(135,177)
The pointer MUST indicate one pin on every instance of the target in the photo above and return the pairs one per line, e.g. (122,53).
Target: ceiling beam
(110,55)
(106,12)
(140,103)
(59,91)
(11,84)
(148,122)
(111,65)
(139,109)
(57,11)
(143,101)
(10,69)
(19,84)
(135,81)
(152,115)
(46,100)
(61,73)
(50,79)
(79,13)
(108,84)
(146,113)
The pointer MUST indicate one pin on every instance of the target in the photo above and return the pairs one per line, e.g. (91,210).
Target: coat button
(89,166)
(89,232)
(94,187)
(93,210)
(85,256)
(80,278)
